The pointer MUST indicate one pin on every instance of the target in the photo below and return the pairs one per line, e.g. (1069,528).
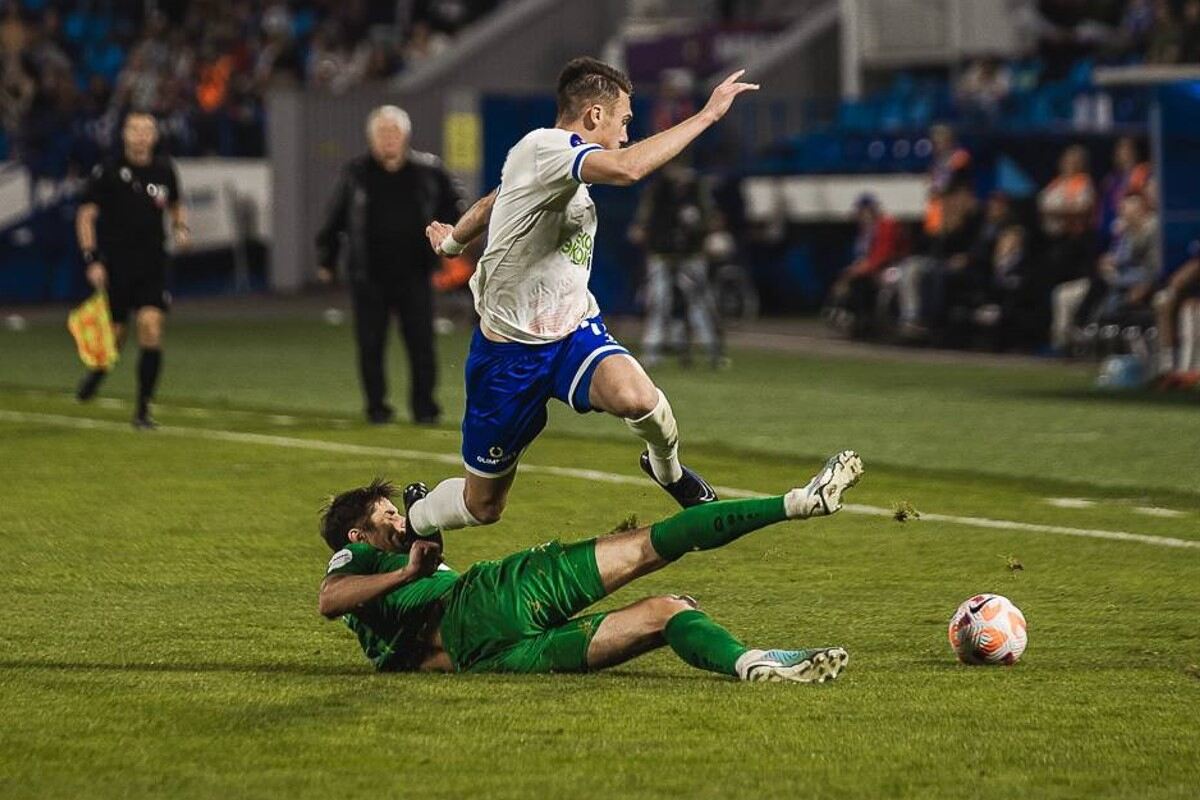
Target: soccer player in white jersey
(541,335)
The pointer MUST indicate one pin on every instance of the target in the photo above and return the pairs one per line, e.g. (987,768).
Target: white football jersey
(531,284)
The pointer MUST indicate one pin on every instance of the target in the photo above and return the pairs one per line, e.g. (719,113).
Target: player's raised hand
(424,557)
(437,232)
(722,96)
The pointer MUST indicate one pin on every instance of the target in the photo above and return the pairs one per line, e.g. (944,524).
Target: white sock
(742,665)
(661,435)
(443,509)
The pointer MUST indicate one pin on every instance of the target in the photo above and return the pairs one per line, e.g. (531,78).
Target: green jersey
(391,628)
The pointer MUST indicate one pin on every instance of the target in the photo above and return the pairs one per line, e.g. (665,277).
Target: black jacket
(440,199)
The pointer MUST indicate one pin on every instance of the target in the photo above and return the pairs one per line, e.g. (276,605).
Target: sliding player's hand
(722,96)
(424,557)
(437,232)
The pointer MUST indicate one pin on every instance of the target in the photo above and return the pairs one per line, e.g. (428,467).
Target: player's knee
(662,609)
(636,401)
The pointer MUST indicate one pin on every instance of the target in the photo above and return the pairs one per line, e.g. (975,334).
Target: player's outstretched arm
(631,164)
(341,594)
(450,240)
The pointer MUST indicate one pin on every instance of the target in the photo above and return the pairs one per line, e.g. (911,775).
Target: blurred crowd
(1062,37)
(1113,31)
(69,68)
(1054,273)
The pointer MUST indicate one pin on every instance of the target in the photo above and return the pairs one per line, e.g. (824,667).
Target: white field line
(295,443)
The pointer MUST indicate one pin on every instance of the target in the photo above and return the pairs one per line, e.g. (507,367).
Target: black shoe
(144,422)
(427,419)
(381,416)
(89,386)
(690,490)
(412,493)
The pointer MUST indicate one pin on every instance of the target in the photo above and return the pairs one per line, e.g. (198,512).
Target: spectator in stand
(998,216)
(982,90)
(278,59)
(1010,302)
(1133,34)
(1067,206)
(1130,269)
(1190,53)
(1129,174)
(940,260)
(1166,37)
(967,275)
(424,43)
(949,168)
(1182,289)
(880,243)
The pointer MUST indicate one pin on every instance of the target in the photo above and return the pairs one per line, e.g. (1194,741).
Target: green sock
(712,525)
(703,643)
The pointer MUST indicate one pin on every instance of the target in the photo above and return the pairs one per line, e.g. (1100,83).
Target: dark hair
(352,509)
(585,80)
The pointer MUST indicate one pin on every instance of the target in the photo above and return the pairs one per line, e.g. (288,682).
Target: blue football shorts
(509,384)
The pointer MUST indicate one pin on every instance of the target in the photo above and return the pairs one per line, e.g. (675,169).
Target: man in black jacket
(381,206)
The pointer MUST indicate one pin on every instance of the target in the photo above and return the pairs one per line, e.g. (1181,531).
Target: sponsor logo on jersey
(340,559)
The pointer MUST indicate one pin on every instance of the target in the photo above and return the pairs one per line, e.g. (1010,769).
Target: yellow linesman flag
(91,325)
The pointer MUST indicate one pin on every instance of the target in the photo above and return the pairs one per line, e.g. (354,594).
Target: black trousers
(410,298)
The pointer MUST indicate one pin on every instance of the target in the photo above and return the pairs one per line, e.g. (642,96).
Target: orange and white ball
(988,629)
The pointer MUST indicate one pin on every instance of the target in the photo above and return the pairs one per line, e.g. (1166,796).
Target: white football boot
(823,494)
(798,666)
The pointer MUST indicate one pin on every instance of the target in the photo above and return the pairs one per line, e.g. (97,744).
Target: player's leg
(507,388)
(370,335)
(149,322)
(461,503)
(701,642)
(622,388)
(623,557)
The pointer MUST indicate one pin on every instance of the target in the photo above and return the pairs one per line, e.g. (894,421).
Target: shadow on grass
(1122,397)
(315,670)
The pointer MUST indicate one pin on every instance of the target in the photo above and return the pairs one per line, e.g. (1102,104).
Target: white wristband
(451,246)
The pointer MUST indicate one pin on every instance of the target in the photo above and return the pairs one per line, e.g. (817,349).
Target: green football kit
(517,614)
(509,615)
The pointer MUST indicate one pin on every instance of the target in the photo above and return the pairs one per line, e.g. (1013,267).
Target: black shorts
(136,280)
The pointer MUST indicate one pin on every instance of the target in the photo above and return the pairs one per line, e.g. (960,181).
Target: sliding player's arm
(341,594)
(631,164)
(450,240)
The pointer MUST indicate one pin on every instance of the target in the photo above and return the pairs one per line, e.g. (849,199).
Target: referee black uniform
(130,200)
(382,215)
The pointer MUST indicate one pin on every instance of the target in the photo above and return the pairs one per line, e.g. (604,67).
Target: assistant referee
(120,230)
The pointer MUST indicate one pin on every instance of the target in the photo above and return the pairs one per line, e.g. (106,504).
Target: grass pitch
(161,637)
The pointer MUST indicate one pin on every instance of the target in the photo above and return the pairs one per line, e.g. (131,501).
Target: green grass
(161,638)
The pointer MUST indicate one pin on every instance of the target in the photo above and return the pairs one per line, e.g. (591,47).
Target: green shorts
(515,614)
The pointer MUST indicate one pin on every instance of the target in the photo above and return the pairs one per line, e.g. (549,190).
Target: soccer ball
(988,629)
